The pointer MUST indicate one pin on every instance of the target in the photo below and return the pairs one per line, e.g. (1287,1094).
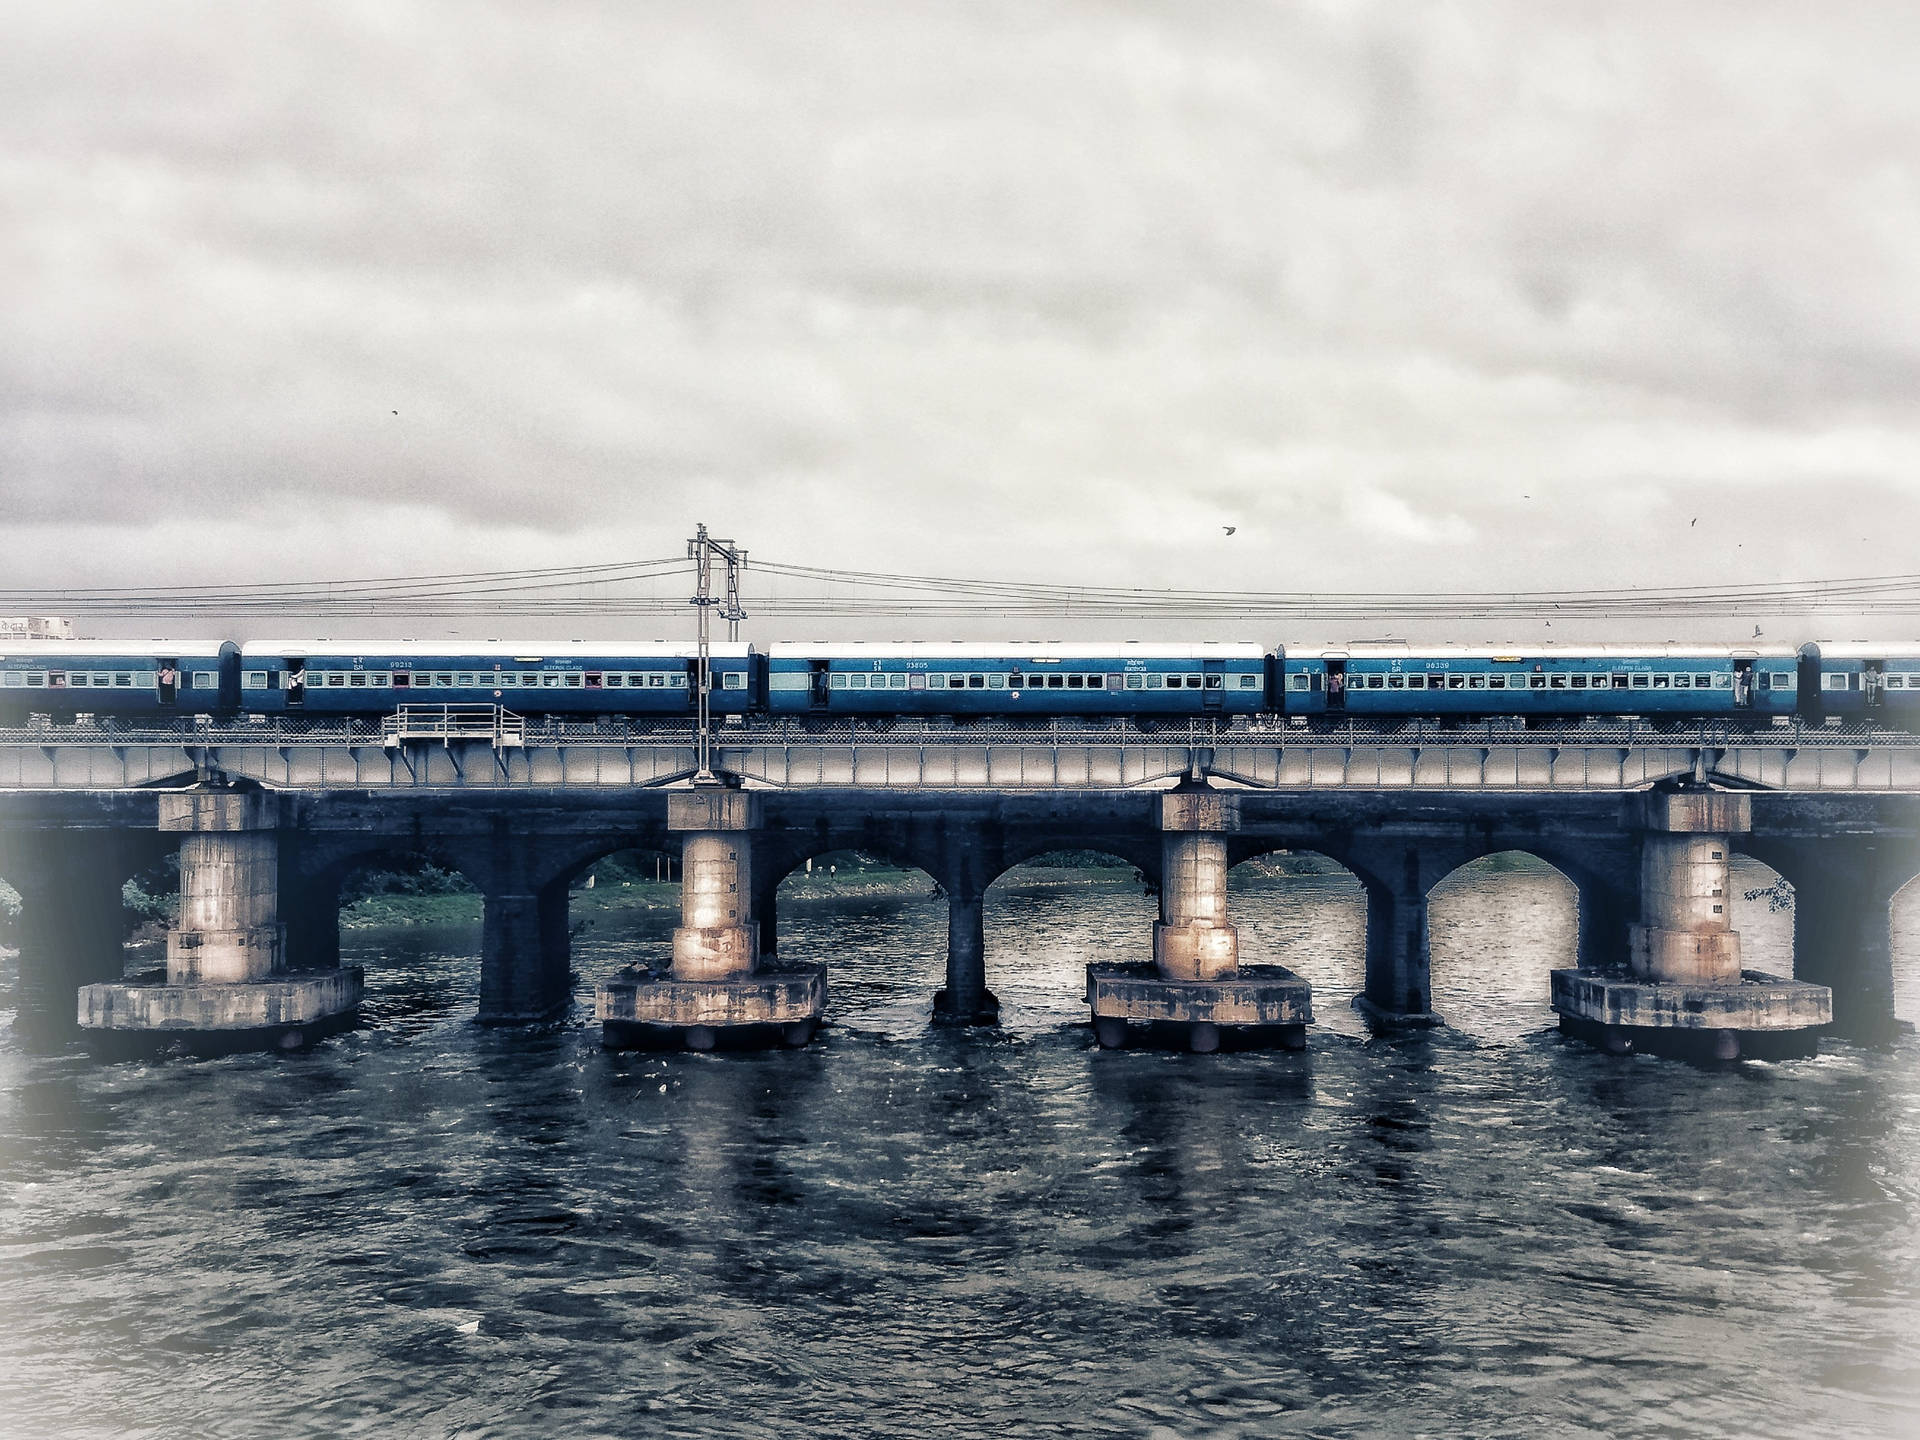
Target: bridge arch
(878,919)
(1497,925)
(1302,908)
(66,921)
(1845,936)
(1052,912)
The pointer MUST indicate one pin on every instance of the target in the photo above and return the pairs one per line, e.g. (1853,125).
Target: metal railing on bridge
(480,724)
(493,724)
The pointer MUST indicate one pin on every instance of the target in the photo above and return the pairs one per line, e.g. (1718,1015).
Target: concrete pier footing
(1683,991)
(225,985)
(1196,991)
(716,993)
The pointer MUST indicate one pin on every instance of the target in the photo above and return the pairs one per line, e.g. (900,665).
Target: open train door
(817,684)
(1743,678)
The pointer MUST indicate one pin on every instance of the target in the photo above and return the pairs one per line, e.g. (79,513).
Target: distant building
(35,627)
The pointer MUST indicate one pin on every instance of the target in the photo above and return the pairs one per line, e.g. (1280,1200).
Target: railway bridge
(270,817)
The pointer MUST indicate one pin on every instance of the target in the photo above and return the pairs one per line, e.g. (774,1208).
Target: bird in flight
(1693,522)
(1229,528)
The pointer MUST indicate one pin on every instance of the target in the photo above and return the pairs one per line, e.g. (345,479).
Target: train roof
(84,649)
(1869,649)
(1376,651)
(1012,650)
(517,649)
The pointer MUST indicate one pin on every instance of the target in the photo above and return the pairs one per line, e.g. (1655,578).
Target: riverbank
(818,887)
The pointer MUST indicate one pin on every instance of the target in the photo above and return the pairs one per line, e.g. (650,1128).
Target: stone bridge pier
(1683,989)
(1196,986)
(227,985)
(716,988)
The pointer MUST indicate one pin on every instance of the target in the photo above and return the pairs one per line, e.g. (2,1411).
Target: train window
(1175,682)
(1456,682)
(1137,681)
(676,682)
(1249,682)
(1721,681)
(839,682)
(1155,682)
(465,679)
(1076,682)
(1476,682)
(1619,679)
(552,680)
(917,681)
(1536,682)
(1214,682)
(1659,680)
(379,679)
(123,680)
(936,681)
(1702,682)
(856,681)
(1296,681)
(1638,680)
(1683,681)
(13,680)
(1194,682)
(1833,682)
(996,682)
(1054,682)
(1374,682)
(36,679)
(615,680)
(205,680)
(657,682)
(1396,682)
(1894,682)
(976,682)
(898,680)
(1578,680)
(1096,682)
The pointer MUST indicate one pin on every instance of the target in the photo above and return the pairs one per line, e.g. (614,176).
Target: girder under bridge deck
(1324,755)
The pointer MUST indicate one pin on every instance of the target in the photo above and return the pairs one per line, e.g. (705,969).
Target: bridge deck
(1427,755)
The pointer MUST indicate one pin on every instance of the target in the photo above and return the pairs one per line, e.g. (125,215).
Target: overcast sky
(1427,296)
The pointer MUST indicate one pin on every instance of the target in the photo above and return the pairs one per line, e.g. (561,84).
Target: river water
(426,1229)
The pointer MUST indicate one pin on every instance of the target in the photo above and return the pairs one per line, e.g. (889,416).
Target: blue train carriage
(1013,678)
(1397,680)
(568,677)
(1863,680)
(124,680)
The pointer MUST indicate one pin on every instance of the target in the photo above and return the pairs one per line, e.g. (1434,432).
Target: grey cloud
(1002,285)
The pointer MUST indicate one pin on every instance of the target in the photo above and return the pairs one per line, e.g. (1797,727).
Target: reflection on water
(426,1228)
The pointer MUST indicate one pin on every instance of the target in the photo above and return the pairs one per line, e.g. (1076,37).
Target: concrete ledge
(284,1011)
(1256,995)
(252,1004)
(648,1009)
(1759,1002)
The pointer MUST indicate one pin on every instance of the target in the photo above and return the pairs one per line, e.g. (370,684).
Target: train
(127,681)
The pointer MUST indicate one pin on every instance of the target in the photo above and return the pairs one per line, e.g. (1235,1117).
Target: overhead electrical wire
(642,587)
